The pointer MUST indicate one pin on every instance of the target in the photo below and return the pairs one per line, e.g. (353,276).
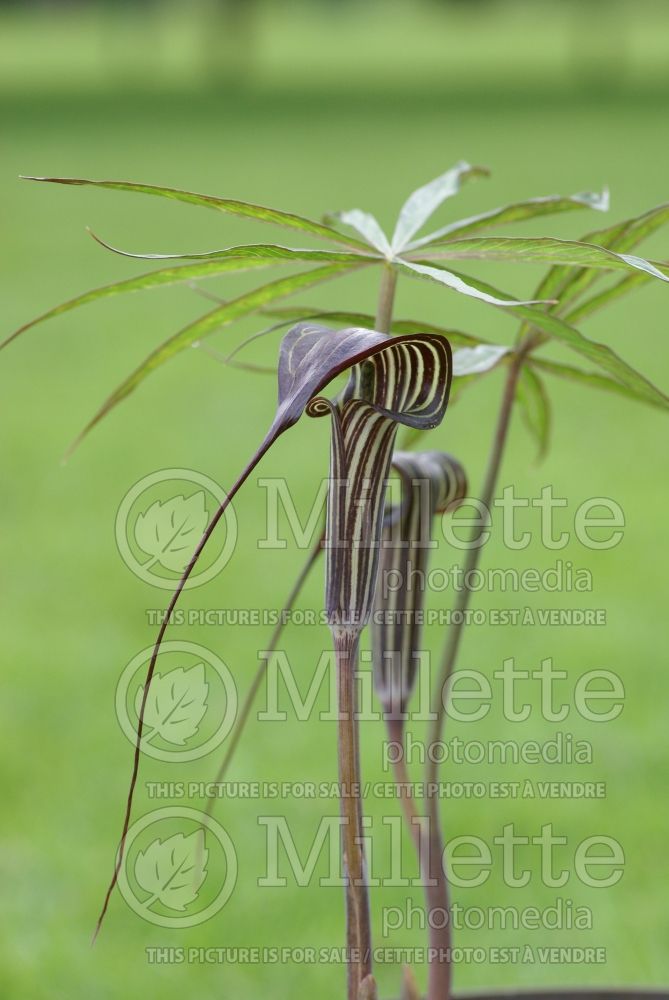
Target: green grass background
(335,108)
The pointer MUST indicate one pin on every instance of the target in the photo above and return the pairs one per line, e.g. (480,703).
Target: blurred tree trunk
(229,40)
(598,43)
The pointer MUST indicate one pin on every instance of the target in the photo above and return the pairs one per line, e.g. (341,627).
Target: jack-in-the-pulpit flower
(392,380)
(405,381)
(400,381)
(431,483)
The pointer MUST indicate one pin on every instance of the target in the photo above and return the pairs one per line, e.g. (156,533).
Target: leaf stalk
(384,311)
(440,978)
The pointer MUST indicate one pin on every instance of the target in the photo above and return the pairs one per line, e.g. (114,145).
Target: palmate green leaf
(594,380)
(154,279)
(229,206)
(219,317)
(263,251)
(530,209)
(463,284)
(548,250)
(534,408)
(423,203)
(602,355)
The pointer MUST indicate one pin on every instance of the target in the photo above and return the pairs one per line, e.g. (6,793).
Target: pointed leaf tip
(546,249)
(424,201)
(367,226)
(507,214)
(229,206)
(270,252)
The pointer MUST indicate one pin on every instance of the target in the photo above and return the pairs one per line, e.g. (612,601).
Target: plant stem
(358,927)
(384,309)
(427,836)
(428,843)
(440,973)
(471,562)
(395,730)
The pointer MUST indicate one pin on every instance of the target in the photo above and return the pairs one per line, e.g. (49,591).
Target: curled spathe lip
(392,381)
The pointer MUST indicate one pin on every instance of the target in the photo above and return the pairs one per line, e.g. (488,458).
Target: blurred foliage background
(311,106)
